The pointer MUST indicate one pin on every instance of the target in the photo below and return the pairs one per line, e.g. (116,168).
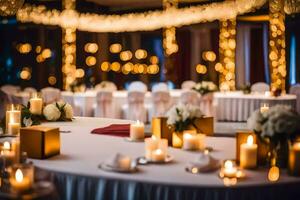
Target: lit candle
(264,108)
(7,153)
(268,94)
(229,169)
(124,162)
(273,174)
(13,127)
(158,156)
(193,141)
(15,146)
(248,154)
(151,144)
(36,105)
(137,131)
(177,140)
(20,182)
(13,120)
(294,159)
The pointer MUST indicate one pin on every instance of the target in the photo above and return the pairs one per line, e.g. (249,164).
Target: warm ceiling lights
(90,61)
(91,47)
(140,54)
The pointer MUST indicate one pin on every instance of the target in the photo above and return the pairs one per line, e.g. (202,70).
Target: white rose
(68,111)
(51,112)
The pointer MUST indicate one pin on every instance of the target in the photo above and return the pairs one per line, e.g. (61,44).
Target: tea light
(193,141)
(137,131)
(273,174)
(229,169)
(294,159)
(151,144)
(7,153)
(19,182)
(124,162)
(268,94)
(158,156)
(248,154)
(264,108)
(36,105)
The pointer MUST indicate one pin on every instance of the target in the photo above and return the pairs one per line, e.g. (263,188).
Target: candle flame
(153,137)
(228,164)
(274,174)
(19,176)
(158,151)
(250,140)
(6,146)
(187,135)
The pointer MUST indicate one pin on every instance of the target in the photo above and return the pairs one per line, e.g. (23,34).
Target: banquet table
(76,174)
(237,107)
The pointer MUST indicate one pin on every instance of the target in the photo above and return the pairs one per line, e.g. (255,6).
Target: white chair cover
(295,89)
(50,95)
(104,105)
(161,102)
(160,87)
(260,87)
(68,97)
(10,89)
(206,104)
(135,109)
(30,90)
(190,97)
(188,85)
(137,86)
(106,85)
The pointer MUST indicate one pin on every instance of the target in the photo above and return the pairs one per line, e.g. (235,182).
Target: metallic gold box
(204,125)
(40,142)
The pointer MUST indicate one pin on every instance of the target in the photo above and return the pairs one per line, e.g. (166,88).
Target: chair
(295,89)
(260,87)
(135,109)
(30,90)
(104,104)
(4,100)
(10,89)
(137,86)
(160,87)
(68,97)
(188,85)
(106,85)
(50,95)
(161,103)
(190,97)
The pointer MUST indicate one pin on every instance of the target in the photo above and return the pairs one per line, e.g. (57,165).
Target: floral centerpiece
(276,127)
(58,111)
(182,117)
(205,87)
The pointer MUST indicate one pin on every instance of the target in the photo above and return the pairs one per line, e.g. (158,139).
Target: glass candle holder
(229,169)
(21,177)
(264,107)
(7,154)
(36,104)
(13,119)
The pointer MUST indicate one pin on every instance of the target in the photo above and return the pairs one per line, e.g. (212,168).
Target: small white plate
(109,168)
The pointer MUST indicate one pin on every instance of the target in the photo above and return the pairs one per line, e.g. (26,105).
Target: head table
(76,174)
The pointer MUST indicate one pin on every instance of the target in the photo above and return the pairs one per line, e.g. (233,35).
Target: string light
(52,80)
(201,69)
(226,67)
(140,54)
(25,74)
(90,61)
(24,48)
(115,48)
(154,60)
(277,45)
(105,66)
(125,55)
(80,73)
(46,53)
(209,55)
(115,66)
(91,47)
(147,21)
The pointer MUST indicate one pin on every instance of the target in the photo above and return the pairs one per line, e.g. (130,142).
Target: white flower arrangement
(276,125)
(58,111)
(181,116)
(205,87)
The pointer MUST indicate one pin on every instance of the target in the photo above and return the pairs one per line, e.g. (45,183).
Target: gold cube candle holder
(294,159)
(204,125)
(40,142)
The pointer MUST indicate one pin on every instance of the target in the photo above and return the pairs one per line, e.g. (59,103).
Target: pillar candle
(13,128)
(248,154)
(13,116)
(36,105)
(137,131)
(158,156)
(19,182)
(193,141)
(151,144)
(229,169)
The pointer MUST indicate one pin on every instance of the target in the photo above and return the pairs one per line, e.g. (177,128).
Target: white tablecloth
(237,107)
(78,177)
